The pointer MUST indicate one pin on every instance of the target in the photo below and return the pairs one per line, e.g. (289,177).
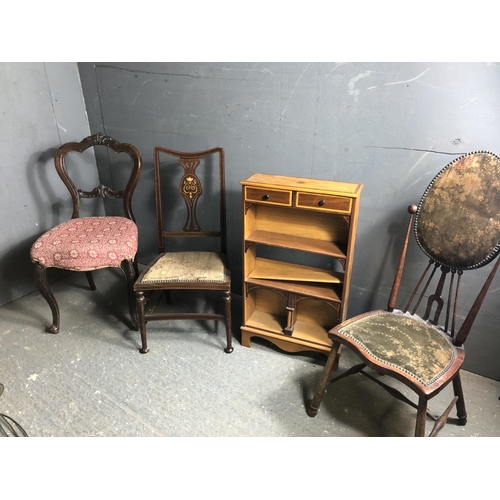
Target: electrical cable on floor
(8,426)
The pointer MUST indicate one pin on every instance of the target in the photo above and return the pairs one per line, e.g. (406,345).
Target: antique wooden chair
(90,243)
(457,225)
(176,268)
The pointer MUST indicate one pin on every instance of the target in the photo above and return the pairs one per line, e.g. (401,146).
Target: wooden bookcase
(287,222)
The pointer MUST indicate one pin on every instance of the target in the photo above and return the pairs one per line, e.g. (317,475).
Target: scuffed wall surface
(390,126)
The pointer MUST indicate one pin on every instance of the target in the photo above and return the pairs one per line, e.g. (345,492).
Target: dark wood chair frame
(129,267)
(190,189)
(434,300)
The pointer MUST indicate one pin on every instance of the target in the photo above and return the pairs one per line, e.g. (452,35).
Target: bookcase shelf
(331,248)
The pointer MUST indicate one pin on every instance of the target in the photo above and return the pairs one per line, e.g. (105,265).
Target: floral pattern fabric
(87,243)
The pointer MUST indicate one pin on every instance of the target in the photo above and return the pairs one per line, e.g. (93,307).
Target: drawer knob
(321,203)
(265,197)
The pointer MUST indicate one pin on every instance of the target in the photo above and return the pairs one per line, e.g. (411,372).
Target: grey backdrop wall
(390,126)
(42,107)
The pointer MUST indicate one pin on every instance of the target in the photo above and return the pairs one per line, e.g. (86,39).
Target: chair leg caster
(53,329)
(229,350)
(312,412)
(143,350)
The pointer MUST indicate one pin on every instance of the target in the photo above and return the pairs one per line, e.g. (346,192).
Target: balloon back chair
(90,243)
(457,226)
(205,265)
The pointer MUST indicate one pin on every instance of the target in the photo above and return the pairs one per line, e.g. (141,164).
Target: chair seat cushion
(186,267)
(87,243)
(402,341)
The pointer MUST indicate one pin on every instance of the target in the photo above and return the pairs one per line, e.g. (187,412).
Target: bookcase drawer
(323,202)
(269,196)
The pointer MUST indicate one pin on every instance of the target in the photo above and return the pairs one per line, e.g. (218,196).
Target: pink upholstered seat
(87,243)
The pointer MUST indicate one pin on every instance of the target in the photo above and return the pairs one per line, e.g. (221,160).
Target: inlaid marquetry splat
(191,189)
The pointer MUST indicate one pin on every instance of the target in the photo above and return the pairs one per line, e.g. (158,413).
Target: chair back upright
(100,191)
(457,225)
(192,185)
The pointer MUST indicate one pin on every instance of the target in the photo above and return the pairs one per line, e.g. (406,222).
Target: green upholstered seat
(403,341)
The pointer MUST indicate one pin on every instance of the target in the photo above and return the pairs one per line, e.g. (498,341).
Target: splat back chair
(457,225)
(90,243)
(175,269)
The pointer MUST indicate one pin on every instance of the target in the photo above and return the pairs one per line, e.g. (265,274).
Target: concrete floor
(91,380)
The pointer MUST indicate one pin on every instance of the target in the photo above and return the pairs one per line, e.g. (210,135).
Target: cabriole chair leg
(42,284)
